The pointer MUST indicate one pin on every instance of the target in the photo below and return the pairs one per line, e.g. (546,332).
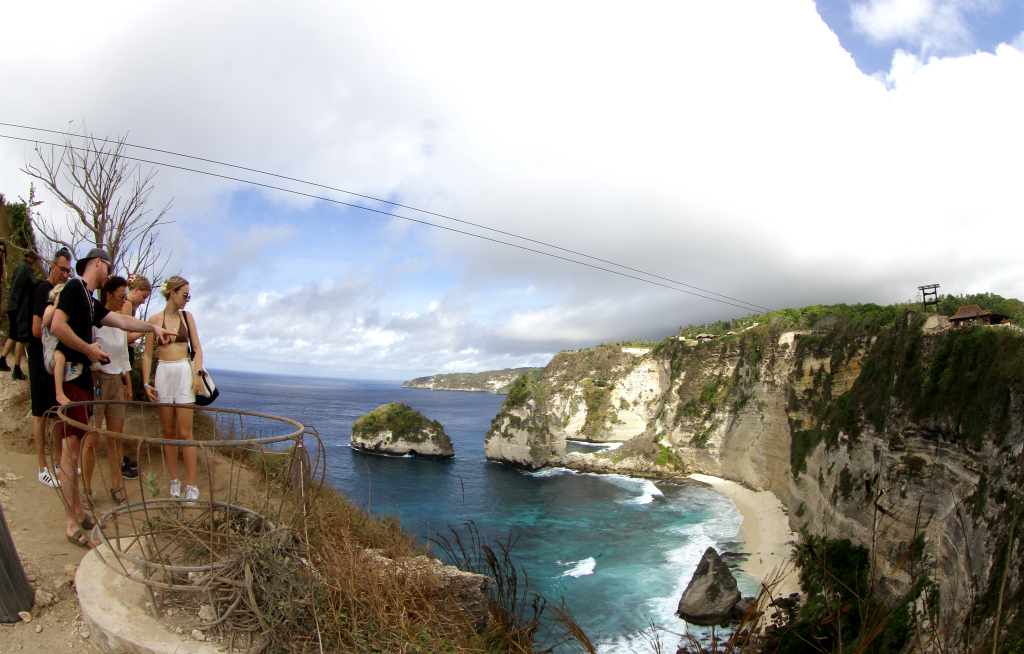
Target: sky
(781,153)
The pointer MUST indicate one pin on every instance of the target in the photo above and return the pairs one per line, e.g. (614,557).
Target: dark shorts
(12,326)
(79,414)
(44,394)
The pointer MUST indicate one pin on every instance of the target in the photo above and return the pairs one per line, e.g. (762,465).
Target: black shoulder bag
(208,392)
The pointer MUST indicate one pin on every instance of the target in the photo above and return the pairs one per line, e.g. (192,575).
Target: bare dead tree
(107,196)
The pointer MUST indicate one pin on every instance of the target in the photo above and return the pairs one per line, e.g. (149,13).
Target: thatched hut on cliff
(973,314)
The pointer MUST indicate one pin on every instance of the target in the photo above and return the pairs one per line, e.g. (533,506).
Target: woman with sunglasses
(138,293)
(176,382)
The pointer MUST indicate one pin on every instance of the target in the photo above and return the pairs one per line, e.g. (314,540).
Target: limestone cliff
(865,424)
(397,429)
(522,435)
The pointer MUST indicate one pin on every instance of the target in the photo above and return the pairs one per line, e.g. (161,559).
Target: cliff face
(523,434)
(883,435)
(396,429)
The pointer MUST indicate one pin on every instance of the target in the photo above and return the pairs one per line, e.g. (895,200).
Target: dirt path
(35,516)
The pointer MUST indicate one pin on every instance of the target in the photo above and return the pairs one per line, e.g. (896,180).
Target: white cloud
(736,150)
(933,27)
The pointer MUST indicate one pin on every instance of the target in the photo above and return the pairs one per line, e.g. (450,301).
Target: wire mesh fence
(253,474)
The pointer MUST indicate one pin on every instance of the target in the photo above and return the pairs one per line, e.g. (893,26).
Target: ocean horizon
(618,550)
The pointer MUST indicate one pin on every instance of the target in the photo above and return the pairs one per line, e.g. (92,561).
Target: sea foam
(579,568)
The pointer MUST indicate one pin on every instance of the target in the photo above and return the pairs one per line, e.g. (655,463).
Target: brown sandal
(117,494)
(80,539)
(87,502)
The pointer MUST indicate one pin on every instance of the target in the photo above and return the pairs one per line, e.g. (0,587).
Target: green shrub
(404,423)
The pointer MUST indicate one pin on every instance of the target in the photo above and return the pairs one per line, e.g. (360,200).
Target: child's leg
(59,361)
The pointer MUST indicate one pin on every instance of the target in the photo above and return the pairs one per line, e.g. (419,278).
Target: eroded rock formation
(712,594)
(523,435)
(397,429)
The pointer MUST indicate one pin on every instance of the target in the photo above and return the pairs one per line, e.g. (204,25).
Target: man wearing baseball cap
(73,321)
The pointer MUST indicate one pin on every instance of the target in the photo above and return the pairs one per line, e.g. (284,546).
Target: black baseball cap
(95,253)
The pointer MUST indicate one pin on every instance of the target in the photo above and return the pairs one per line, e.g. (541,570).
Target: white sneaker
(45,478)
(175,488)
(191,493)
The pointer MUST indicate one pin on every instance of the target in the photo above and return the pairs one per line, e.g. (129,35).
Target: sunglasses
(187,296)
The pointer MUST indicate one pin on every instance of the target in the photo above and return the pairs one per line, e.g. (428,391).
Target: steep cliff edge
(865,425)
(522,435)
(397,429)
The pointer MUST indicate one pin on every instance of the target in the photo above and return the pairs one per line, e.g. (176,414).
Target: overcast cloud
(737,149)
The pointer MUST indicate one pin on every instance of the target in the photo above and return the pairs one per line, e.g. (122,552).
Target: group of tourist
(81,349)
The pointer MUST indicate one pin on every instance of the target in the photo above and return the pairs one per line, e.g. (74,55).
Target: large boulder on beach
(396,429)
(712,593)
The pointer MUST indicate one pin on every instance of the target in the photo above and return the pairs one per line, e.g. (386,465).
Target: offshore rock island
(396,429)
(881,425)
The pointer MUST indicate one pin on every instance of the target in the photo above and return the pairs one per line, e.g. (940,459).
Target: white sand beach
(765,530)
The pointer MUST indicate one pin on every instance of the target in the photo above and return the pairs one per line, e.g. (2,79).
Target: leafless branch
(107,198)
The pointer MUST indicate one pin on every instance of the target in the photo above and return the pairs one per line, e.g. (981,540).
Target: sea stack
(396,429)
(523,435)
(712,593)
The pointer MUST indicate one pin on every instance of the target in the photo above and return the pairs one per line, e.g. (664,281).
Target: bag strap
(188,330)
(88,302)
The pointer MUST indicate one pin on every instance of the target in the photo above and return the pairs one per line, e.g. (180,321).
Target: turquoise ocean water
(620,551)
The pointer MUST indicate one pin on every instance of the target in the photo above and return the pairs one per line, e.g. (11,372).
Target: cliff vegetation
(398,429)
(886,437)
(491,381)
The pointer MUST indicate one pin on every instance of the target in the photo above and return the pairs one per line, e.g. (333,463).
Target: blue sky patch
(872,30)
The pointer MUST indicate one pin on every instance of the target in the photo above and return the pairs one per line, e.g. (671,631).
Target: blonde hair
(139,282)
(55,292)
(173,283)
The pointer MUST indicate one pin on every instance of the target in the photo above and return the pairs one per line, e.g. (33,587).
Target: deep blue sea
(620,551)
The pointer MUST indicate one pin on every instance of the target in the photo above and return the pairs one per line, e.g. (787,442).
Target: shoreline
(764,530)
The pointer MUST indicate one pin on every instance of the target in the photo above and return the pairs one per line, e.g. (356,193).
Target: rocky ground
(35,516)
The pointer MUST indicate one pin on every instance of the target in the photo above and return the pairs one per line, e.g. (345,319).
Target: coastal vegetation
(863,419)
(398,429)
(490,381)
(403,421)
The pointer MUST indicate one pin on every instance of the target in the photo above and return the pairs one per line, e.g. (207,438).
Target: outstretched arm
(130,324)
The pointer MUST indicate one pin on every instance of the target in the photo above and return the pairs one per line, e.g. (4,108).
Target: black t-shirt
(40,300)
(75,301)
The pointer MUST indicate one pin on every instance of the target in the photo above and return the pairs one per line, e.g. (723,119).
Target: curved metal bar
(167,500)
(299,428)
(134,576)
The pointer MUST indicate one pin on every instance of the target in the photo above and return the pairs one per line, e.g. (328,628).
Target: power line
(743,304)
(395,204)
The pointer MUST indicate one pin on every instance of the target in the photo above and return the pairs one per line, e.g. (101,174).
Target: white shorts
(173,382)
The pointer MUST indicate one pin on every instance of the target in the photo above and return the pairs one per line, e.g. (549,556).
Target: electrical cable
(744,305)
(396,204)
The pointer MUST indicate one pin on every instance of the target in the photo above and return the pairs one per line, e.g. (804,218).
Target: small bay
(619,550)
